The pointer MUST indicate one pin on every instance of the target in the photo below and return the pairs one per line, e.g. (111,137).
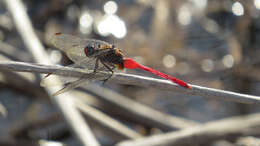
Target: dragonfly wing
(74,46)
(72,85)
(71,45)
(47,81)
(83,80)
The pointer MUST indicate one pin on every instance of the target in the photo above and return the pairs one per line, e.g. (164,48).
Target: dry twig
(107,121)
(25,29)
(134,80)
(139,112)
(235,126)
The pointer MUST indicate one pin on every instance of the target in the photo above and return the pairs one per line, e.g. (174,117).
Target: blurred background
(212,43)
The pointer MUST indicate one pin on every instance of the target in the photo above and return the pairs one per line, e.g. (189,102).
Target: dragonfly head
(89,50)
(113,46)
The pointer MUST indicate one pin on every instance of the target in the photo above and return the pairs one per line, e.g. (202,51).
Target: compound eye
(89,50)
(113,46)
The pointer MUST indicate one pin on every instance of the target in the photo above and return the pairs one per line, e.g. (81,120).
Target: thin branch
(13,53)
(3,111)
(248,141)
(134,80)
(106,121)
(109,125)
(141,113)
(199,135)
(70,113)
(16,79)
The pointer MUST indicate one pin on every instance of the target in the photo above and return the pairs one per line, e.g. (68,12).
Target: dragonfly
(98,56)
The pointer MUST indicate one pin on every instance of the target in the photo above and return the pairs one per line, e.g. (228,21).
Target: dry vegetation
(214,45)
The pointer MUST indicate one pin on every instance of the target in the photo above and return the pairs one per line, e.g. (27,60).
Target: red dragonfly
(98,56)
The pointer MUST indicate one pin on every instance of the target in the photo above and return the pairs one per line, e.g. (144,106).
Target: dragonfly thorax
(113,57)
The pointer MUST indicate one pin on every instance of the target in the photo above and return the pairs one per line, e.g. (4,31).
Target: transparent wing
(72,85)
(69,83)
(64,80)
(74,48)
(47,81)
(79,82)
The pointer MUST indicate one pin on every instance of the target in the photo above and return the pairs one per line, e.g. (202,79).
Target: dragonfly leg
(96,66)
(110,69)
(47,75)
